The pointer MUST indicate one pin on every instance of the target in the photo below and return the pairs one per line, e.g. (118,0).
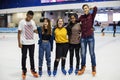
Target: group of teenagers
(74,37)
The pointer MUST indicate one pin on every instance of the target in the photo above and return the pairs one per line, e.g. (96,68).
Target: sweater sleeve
(94,12)
(40,35)
(39,31)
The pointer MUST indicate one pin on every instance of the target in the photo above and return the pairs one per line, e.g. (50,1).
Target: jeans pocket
(91,38)
(82,40)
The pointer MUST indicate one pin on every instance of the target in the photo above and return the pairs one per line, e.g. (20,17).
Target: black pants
(24,49)
(102,30)
(114,32)
(76,48)
(61,52)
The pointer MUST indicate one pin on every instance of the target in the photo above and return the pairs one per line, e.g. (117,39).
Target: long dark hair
(48,27)
(70,24)
(75,15)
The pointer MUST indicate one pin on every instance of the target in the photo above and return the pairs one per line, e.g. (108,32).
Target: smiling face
(86,9)
(29,17)
(72,19)
(45,23)
(60,23)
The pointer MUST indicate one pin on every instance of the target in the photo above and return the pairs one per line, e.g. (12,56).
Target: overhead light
(51,13)
(65,14)
(111,9)
(106,9)
(70,11)
(101,10)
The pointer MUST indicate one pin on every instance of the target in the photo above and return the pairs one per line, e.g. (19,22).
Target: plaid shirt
(87,23)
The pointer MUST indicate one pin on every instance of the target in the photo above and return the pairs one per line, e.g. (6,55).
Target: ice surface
(107,51)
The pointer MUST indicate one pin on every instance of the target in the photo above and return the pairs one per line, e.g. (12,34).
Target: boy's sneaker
(34,73)
(70,70)
(23,75)
(49,72)
(81,71)
(64,71)
(76,71)
(54,72)
(93,70)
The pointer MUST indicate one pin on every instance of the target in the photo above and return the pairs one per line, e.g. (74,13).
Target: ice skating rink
(107,49)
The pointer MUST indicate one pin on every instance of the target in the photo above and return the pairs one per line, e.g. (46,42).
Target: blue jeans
(45,47)
(91,42)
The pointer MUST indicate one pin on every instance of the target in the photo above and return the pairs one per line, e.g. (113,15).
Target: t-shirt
(46,36)
(61,35)
(27,32)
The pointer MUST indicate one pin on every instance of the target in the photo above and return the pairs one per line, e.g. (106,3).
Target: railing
(8,30)
(108,29)
(97,29)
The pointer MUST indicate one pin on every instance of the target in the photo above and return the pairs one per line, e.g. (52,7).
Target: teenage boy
(87,37)
(26,42)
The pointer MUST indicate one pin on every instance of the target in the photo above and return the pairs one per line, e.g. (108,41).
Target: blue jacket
(40,38)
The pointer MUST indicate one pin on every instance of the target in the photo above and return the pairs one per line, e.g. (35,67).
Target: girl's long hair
(70,24)
(48,27)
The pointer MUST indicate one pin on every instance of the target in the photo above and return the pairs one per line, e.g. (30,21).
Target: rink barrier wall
(108,29)
(8,30)
(97,29)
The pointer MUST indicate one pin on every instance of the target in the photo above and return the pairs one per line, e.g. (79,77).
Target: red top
(87,23)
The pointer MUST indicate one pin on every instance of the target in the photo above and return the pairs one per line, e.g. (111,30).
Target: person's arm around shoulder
(39,30)
(52,38)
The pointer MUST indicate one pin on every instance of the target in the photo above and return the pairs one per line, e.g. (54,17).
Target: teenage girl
(74,41)
(45,45)
(61,38)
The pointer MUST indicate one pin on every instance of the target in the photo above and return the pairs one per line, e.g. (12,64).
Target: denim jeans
(45,48)
(91,43)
